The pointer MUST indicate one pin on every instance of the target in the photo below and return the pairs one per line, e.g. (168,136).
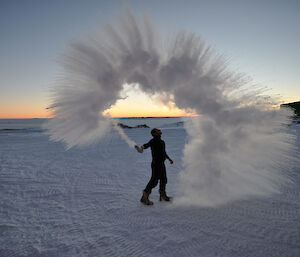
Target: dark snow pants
(158,173)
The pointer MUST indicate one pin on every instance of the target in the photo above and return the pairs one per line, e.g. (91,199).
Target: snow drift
(234,150)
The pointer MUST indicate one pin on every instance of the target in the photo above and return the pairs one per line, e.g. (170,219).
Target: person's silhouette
(159,155)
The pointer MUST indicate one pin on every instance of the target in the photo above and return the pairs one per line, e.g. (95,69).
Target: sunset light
(149,128)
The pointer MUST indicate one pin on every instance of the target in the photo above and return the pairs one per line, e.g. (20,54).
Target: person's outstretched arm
(140,149)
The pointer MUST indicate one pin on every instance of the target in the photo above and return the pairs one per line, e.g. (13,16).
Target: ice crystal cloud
(234,151)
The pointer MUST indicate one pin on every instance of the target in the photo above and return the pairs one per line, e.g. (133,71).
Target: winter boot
(145,199)
(163,196)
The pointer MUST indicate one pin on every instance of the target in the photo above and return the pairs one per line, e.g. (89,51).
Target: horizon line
(130,117)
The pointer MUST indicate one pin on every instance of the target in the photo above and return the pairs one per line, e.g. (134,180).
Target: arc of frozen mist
(235,151)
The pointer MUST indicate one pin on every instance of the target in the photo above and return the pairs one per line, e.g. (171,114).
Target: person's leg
(151,184)
(153,180)
(163,178)
(145,199)
(162,185)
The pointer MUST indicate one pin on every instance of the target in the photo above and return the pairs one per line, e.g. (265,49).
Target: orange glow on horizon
(18,107)
(24,115)
(137,115)
(125,113)
(24,112)
(136,104)
(123,109)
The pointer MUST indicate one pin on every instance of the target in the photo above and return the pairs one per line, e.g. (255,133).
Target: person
(159,155)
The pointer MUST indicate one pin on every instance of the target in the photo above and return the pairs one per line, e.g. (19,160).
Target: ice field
(85,201)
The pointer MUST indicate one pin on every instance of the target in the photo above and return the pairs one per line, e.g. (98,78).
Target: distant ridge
(146,117)
(130,127)
(295,106)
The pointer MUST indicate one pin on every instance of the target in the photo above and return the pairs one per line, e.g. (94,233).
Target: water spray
(128,140)
(238,147)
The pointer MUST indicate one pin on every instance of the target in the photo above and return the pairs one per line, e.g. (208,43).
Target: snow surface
(85,202)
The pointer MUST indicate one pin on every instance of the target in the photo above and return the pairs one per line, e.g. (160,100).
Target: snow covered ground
(85,202)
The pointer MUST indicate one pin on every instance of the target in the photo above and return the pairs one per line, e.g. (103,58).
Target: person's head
(156,132)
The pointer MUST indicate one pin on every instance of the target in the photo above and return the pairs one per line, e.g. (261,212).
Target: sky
(260,38)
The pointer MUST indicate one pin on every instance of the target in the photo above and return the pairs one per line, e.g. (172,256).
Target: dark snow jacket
(158,149)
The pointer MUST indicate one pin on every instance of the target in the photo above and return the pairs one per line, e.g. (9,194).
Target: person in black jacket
(159,155)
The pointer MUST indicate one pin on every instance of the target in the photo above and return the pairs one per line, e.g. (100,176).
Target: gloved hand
(139,149)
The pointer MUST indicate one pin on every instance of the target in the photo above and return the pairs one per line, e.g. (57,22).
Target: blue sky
(260,38)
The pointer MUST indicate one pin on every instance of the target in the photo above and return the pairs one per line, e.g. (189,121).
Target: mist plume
(237,147)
